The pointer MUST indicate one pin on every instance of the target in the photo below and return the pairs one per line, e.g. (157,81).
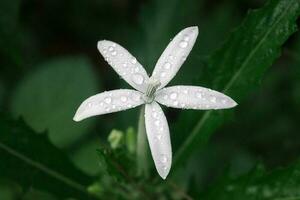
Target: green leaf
(85,156)
(280,184)
(32,161)
(1,93)
(237,67)
(49,97)
(9,13)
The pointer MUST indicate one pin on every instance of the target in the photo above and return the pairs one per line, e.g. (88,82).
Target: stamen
(153,84)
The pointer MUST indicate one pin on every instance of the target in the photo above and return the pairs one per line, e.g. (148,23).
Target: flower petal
(108,102)
(174,55)
(193,97)
(124,64)
(159,138)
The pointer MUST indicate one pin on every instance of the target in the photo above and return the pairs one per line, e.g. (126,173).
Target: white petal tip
(76,118)
(164,175)
(100,44)
(194,29)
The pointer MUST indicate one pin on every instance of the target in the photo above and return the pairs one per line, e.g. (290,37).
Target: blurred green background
(49,64)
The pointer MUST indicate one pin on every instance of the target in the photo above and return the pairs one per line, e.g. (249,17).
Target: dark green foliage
(238,66)
(32,161)
(279,184)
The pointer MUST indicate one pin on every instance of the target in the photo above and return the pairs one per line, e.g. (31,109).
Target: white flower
(151,91)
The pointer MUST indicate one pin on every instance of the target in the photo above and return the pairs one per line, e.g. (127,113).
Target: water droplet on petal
(167,65)
(199,95)
(138,79)
(163,74)
(213,99)
(175,103)
(173,95)
(114,53)
(185,91)
(165,96)
(186,38)
(133,60)
(157,122)
(129,106)
(171,57)
(113,106)
(136,69)
(110,49)
(124,65)
(123,98)
(159,137)
(163,159)
(101,104)
(154,114)
(224,101)
(114,45)
(89,104)
(183,44)
(135,97)
(107,109)
(107,100)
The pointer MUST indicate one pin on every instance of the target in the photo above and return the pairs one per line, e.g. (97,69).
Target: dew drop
(183,58)
(199,95)
(171,57)
(129,106)
(138,79)
(107,109)
(213,99)
(183,44)
(124,65)
(114,53)
(123,98)
(89,104)
(157,122)
(113,106)
(104,52)
(186,38)
(185,91)
(159,137)
(114,45)
(224,101)
(107,100)
(167,65)
(110,49)
(163,74)
(173,95)
(133,61)
(175,103)
(136,69)
(163,159)
(136,97)
(154,114)
(166,97)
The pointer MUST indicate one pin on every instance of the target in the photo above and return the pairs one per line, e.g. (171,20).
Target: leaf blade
(27,162)
(243,62)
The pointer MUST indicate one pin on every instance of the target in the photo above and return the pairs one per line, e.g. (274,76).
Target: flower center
(153,84)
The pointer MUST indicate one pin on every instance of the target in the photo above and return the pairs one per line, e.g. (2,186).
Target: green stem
(142,146)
